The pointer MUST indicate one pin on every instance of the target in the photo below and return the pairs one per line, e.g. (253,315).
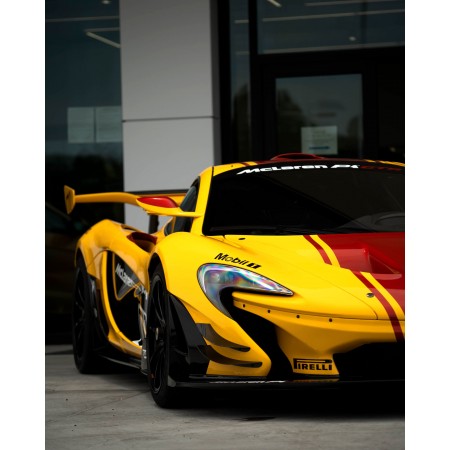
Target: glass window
(313,25)
(83,103)
(188,204)
(320,115)
(240,79)
(307,198)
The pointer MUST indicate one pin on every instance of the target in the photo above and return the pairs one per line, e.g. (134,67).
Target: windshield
(307,199)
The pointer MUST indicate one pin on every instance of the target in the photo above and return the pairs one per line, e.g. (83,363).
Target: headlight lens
(213,278)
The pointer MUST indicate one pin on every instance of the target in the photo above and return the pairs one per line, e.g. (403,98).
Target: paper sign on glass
(320,140)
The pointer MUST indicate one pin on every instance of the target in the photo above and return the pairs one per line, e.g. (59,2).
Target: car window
(307,199)
(188,204)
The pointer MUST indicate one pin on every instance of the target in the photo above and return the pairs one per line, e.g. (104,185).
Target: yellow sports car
(275,272)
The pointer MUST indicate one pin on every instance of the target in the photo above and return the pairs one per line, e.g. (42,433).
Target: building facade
(144,94)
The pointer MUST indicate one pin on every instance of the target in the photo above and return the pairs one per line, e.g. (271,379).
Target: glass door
(346,105)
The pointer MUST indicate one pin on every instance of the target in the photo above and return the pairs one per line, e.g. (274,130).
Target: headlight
(213,278)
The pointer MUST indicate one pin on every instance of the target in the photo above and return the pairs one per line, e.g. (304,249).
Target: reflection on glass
(240,79)
(83,103)
(312,25)
(320,115)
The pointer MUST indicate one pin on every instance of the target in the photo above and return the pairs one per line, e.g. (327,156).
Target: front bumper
(274,347)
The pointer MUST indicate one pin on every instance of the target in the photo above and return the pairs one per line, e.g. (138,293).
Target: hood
(368,267)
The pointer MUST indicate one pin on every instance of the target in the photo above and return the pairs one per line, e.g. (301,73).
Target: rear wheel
(83,322)
(160,337)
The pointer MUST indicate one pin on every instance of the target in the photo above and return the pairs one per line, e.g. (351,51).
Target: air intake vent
(384,361)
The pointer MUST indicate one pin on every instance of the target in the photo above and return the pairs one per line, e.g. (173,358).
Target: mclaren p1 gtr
(275,272)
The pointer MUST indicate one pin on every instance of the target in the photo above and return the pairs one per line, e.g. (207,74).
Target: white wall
(169,94)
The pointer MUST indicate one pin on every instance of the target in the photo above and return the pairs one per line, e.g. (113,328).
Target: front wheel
(160,338)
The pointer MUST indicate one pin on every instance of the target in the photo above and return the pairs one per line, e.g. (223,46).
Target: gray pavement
(116,411)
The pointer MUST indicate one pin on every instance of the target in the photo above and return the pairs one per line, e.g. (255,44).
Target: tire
(160,335)
(83,322)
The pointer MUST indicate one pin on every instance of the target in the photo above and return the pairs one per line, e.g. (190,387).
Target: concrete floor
(116,411)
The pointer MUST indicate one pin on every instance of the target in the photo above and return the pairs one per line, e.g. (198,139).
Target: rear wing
(160,203)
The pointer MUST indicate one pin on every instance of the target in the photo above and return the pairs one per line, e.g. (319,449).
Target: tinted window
(307,199)
(188,204)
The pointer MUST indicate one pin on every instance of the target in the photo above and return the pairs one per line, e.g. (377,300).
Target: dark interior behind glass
(307,201)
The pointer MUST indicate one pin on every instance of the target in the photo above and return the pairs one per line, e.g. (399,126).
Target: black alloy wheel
(159,338)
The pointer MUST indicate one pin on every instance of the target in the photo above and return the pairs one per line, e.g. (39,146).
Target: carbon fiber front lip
(258,383)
